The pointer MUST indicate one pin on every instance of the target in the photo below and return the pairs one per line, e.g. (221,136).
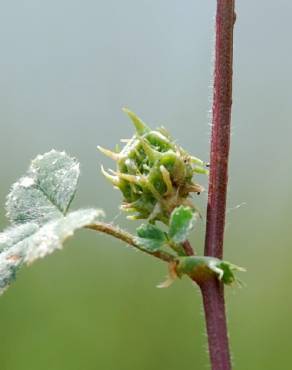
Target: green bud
(154,174)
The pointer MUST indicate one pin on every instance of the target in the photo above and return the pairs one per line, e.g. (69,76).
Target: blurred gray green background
(66,69)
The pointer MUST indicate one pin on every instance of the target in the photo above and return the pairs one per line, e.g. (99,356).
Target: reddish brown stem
(220,137)
(214,308)
(212,290)
(189,251)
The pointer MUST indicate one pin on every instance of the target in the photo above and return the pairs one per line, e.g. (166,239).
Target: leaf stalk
(129,239)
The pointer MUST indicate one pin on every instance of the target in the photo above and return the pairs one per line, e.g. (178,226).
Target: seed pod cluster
(154,174)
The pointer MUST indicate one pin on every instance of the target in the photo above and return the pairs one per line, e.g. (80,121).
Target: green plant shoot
(156,178)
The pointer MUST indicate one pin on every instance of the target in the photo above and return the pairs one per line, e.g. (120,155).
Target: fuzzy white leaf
(46,191)
(52,235)
(26,243)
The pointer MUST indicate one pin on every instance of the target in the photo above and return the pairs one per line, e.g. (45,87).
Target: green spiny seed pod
(154,174)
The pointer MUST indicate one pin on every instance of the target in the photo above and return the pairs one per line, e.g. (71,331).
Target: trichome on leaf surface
(156,178)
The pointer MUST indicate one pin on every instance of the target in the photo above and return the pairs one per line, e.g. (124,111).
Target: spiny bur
(154,174)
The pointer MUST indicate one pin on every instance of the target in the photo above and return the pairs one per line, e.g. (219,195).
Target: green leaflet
(37,206)
(150,237)
(182,221)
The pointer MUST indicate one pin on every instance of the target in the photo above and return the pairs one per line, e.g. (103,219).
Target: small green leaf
(26,243)
(182,220)
(228,272)
(150,237)
(46,191)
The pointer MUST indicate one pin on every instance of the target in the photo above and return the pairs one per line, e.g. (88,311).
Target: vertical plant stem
(212,290)
(214,307)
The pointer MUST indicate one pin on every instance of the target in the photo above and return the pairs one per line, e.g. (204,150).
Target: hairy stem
(214,307)
(189,251)
(212,290)
(220,137)
(128,238)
